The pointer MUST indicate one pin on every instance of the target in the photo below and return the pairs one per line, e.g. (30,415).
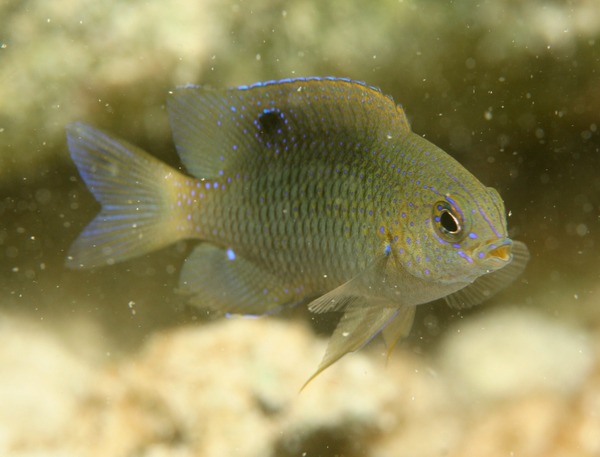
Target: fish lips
(496,254)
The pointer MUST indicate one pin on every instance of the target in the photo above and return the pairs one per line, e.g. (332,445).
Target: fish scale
(301,189)
(275,215)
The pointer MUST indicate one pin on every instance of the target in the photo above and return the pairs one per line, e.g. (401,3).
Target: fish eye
(448,221)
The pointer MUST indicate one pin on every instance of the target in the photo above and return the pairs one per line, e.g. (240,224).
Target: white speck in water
(345,334)
(581,230)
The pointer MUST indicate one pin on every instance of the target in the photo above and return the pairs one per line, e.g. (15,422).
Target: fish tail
(140,212)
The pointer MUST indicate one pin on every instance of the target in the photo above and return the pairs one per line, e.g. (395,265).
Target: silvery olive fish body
(307,189)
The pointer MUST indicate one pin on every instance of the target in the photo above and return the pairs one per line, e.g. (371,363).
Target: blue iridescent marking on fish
(464,256)
(479,208)
(277,82)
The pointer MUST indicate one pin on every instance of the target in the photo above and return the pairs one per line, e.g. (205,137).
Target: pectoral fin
(224,282)
(356,289)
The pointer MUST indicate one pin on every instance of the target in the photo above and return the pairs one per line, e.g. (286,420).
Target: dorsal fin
(217,130)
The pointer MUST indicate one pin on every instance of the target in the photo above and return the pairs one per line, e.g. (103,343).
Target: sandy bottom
(510,382)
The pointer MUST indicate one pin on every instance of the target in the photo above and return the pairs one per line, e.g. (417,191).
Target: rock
(42,385)
(510,352)
(231,387)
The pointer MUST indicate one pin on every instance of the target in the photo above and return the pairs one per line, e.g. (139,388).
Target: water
(516,103)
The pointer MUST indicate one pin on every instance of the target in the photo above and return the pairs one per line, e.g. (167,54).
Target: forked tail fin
(138,195)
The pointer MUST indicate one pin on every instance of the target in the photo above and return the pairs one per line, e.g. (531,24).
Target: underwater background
(113,362)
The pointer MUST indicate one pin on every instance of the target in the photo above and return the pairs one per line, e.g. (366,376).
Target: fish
(307,190)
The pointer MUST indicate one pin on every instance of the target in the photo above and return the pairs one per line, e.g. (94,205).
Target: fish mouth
(496,254)
(501,252)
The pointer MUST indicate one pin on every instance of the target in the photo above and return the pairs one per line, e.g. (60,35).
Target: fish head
(469,230)
(463,235)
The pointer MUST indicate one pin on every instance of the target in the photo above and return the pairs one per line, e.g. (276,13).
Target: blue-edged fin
(489,284)
(135,191)
(359,324)
(224,282)
(218,130)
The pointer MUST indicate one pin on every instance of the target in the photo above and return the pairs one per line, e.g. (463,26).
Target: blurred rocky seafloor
(112,362)
(509,383)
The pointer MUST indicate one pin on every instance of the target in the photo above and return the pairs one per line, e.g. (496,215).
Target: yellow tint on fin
(136,192)
(402,119)
(399,328)
(359,324)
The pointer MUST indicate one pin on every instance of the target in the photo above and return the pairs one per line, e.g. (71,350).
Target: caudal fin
(138,195)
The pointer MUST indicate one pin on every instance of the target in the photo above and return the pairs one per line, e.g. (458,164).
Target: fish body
(303,189)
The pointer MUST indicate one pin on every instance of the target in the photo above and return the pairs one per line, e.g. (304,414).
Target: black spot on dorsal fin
(271,122)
